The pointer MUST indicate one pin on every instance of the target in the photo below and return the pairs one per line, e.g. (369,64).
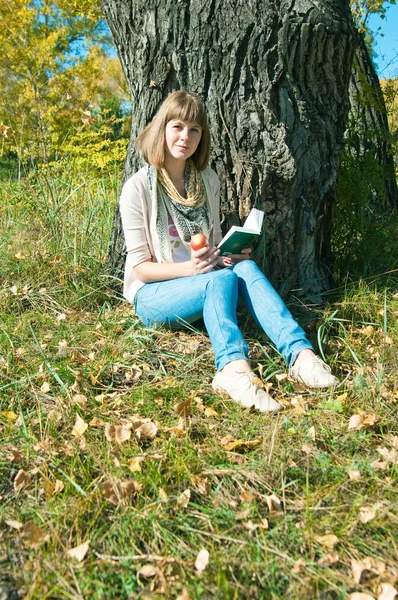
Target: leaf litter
(202,560)
(125,495)
(79,552)
(121,492)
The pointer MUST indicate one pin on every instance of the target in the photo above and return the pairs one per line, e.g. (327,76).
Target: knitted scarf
(190,215)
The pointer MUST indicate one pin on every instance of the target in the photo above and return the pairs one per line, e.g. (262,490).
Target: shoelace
(248,378)
(318,361)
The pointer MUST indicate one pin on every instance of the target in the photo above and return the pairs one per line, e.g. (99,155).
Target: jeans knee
(225,279)
(247,266)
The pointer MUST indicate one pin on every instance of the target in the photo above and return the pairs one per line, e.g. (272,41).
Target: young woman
(174,196)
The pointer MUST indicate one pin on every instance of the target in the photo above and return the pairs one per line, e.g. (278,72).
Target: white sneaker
(242,388)
(314,373)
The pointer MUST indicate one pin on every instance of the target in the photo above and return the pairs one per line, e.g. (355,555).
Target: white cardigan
(138,211)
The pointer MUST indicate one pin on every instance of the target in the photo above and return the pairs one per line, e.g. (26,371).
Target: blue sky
(386,47)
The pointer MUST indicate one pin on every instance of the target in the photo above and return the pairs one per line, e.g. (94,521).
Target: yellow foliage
(91,9)
(46,85)
(363,9)
(390,91)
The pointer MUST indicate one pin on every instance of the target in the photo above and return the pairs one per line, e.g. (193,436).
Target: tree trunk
(274,75)
(369,131)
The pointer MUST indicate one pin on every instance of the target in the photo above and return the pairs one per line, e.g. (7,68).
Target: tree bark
(369,131)
(274,75)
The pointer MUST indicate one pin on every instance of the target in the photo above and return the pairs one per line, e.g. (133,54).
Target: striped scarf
(190,215)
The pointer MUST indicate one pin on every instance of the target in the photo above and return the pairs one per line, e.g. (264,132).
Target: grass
(69,348)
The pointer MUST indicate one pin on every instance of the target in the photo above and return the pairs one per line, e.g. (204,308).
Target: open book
(239,238)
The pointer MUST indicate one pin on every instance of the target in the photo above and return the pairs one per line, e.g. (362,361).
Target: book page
(254,220)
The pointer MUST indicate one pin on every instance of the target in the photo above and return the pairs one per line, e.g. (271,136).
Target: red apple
(198,241)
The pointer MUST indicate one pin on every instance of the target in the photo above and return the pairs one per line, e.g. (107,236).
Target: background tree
(362,10)
(54,74)
(368,136)
(367,188)
(275,77)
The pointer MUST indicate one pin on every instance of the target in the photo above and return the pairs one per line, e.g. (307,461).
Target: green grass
(69,347)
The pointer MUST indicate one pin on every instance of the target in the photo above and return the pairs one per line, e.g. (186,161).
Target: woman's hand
(204,260)
(233,259)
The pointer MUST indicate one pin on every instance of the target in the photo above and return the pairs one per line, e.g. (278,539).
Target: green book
(239,238)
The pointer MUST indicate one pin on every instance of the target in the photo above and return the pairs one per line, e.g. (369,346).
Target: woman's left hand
(233,259)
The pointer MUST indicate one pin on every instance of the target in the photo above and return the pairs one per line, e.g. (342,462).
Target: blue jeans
(214,296)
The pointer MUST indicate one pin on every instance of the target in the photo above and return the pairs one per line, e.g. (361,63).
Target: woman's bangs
(190,111)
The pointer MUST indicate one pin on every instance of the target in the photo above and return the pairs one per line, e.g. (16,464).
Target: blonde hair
(183,106)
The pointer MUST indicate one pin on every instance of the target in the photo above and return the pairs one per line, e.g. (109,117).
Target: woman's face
(182,139)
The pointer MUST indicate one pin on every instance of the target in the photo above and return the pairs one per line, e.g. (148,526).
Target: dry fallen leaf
(247,496)
(328,560)
(366,568)
(118,433)
(354,475)
(96,422)
(183,408)
(133,373)
(163,495)
(367,513)
(281,376)
(62,351)
(184,498)
(300,405)
(253,526)
(393,439)
(146,431)
(202,485)
(58,487)
(380,465)
(299,566)
(80,426)
(169,382)
(328,541)
(180,428)
(309,448)
(184,594)
(387,592)
(210,412)
(242,514)
(360,596)
(33,536)
(22,480)
(362,421)
(148,571)
(79,552)
(368,330)
(79,399)
(391,456)
(120,492)
(9,415)
(227,439)
(202,560)
(243,445)
(15,456)
(45,388)
(312,433)
(135,464)
(13,524)
(273,503)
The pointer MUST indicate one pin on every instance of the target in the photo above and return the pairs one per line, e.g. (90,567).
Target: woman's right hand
(204,260)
